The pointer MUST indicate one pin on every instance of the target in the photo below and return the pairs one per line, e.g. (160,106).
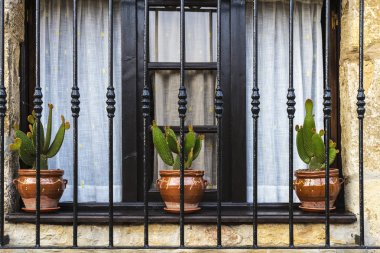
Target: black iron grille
(182,109)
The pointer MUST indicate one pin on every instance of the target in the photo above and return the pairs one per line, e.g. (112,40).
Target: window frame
(233,84)
(233,80)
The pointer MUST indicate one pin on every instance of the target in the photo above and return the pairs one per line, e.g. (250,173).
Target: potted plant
(310,183)
(52,184)
(166,145)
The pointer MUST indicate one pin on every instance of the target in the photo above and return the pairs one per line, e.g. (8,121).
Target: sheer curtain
(273,81)
(56,82)
(200,47)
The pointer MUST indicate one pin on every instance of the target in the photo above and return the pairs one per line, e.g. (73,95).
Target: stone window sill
(238,213)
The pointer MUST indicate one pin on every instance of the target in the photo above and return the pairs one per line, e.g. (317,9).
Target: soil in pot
(52,187)
(169,186)
(310,189)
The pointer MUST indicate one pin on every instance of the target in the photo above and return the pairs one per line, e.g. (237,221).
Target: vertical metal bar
(145,100)
(75,113)
(219,114)
(38,111)
(361,111)
(111,113)
(291,96)
(255,115)
(3,109)
(327,121)
(182,102)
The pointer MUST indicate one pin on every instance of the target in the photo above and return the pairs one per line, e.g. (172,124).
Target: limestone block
(350,27)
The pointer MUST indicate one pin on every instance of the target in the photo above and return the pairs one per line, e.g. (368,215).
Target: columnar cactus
(167,143)
(25,144)
(310,146)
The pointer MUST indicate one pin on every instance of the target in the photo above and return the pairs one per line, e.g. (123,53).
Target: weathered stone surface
(349,81)
(168,235)
(14,33)
(350,28)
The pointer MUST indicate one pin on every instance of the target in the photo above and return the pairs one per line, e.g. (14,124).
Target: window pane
(200,87)
(165,36)
(56,82)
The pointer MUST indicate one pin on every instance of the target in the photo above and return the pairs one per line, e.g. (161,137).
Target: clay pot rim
(176,173)
(304,173)
(49,172)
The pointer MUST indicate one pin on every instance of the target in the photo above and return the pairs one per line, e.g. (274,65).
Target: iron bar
(3,109)
(175,3)
(291,96)
(255,115)
(145,100)
(111,114)
(177,66)
(219,114)
(38,112)
(75,113)
(255,109)
(327,120)
(361,111)
(182,102)
(196,128)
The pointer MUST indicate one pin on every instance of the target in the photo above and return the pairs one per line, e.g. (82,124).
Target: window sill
(232,213)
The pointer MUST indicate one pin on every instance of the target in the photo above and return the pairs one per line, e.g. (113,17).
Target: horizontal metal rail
(177,66)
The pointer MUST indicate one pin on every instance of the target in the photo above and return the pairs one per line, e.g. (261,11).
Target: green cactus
(300,148)
(308,126)
(190,140)
(171,139)
(25,144)
(310,145)
(198,146)
(167,143)
(161,145)
(177,163)
(48,129)
(318,146)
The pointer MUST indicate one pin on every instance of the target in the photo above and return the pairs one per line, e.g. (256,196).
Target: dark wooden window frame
(233,84)
(235,210)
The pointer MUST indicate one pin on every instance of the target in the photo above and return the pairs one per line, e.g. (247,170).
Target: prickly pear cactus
(161,145)
(310,145)
(25,144)
(168,143)
(171,139)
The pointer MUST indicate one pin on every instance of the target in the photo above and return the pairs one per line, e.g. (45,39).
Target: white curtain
(56,82)
(273,81)
(200,47)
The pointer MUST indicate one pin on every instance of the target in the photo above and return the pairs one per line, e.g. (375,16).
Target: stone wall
(14,35)
(349,81)
(233,235)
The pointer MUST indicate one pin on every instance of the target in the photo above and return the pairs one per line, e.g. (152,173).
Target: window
(56,79)
(164,47)
(201,68)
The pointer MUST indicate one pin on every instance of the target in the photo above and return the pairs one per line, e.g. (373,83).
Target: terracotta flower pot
(310,189)
(52,187)
(169,186)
